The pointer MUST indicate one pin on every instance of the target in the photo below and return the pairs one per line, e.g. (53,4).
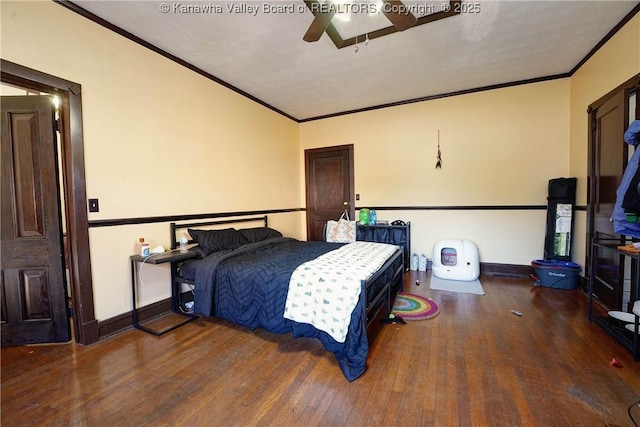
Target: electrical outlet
(93,205)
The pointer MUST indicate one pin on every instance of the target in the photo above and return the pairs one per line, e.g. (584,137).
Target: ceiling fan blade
(317,27)
(398,14)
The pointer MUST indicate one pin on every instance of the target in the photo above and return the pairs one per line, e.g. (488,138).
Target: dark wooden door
(609,157)
(329,185)
(34,296)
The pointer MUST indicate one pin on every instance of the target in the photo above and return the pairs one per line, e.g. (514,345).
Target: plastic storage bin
(556,274)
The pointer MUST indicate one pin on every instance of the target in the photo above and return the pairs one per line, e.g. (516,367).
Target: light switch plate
(93,205)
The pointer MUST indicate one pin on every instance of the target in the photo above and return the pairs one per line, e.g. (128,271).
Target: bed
(253,276)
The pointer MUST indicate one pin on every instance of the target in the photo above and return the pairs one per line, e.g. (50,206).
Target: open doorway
(73,202)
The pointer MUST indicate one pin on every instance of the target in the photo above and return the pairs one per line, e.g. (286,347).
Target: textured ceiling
(259,50)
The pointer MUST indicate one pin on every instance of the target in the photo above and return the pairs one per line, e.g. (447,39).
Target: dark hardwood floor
(476,364)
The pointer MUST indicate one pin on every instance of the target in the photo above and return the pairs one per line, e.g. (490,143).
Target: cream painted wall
(11,91)
(499,147)
(159,140)
(616,62)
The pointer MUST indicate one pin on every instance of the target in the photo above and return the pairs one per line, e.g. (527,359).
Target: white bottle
(183,242)
(413,264)
(144,249)
(422,266)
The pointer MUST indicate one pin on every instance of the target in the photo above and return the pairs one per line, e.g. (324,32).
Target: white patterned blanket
(324,292)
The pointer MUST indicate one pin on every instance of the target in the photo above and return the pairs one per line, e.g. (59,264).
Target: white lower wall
(502,237)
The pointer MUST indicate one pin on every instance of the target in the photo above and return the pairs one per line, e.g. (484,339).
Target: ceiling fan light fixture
(399,15)
(395,11)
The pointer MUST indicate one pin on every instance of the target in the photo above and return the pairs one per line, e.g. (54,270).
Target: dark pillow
(217,240)
(199,251)
(259,234)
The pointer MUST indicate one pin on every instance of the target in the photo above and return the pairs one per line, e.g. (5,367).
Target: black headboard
(175,227)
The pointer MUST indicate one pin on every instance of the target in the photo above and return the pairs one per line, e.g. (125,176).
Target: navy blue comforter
(248,286)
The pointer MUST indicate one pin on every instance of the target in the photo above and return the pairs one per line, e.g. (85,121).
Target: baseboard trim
(520,272)
(124,321)
(506,270)
(583,284)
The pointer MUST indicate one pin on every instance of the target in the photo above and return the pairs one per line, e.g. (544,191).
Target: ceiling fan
(394,10)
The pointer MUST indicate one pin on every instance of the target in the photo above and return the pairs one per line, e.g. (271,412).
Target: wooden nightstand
(154,259)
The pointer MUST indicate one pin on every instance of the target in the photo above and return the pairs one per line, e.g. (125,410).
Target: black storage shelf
(614,327)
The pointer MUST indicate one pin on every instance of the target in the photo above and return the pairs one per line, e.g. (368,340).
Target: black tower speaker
(561,202)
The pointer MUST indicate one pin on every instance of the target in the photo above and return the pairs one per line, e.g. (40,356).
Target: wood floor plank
(474,364)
